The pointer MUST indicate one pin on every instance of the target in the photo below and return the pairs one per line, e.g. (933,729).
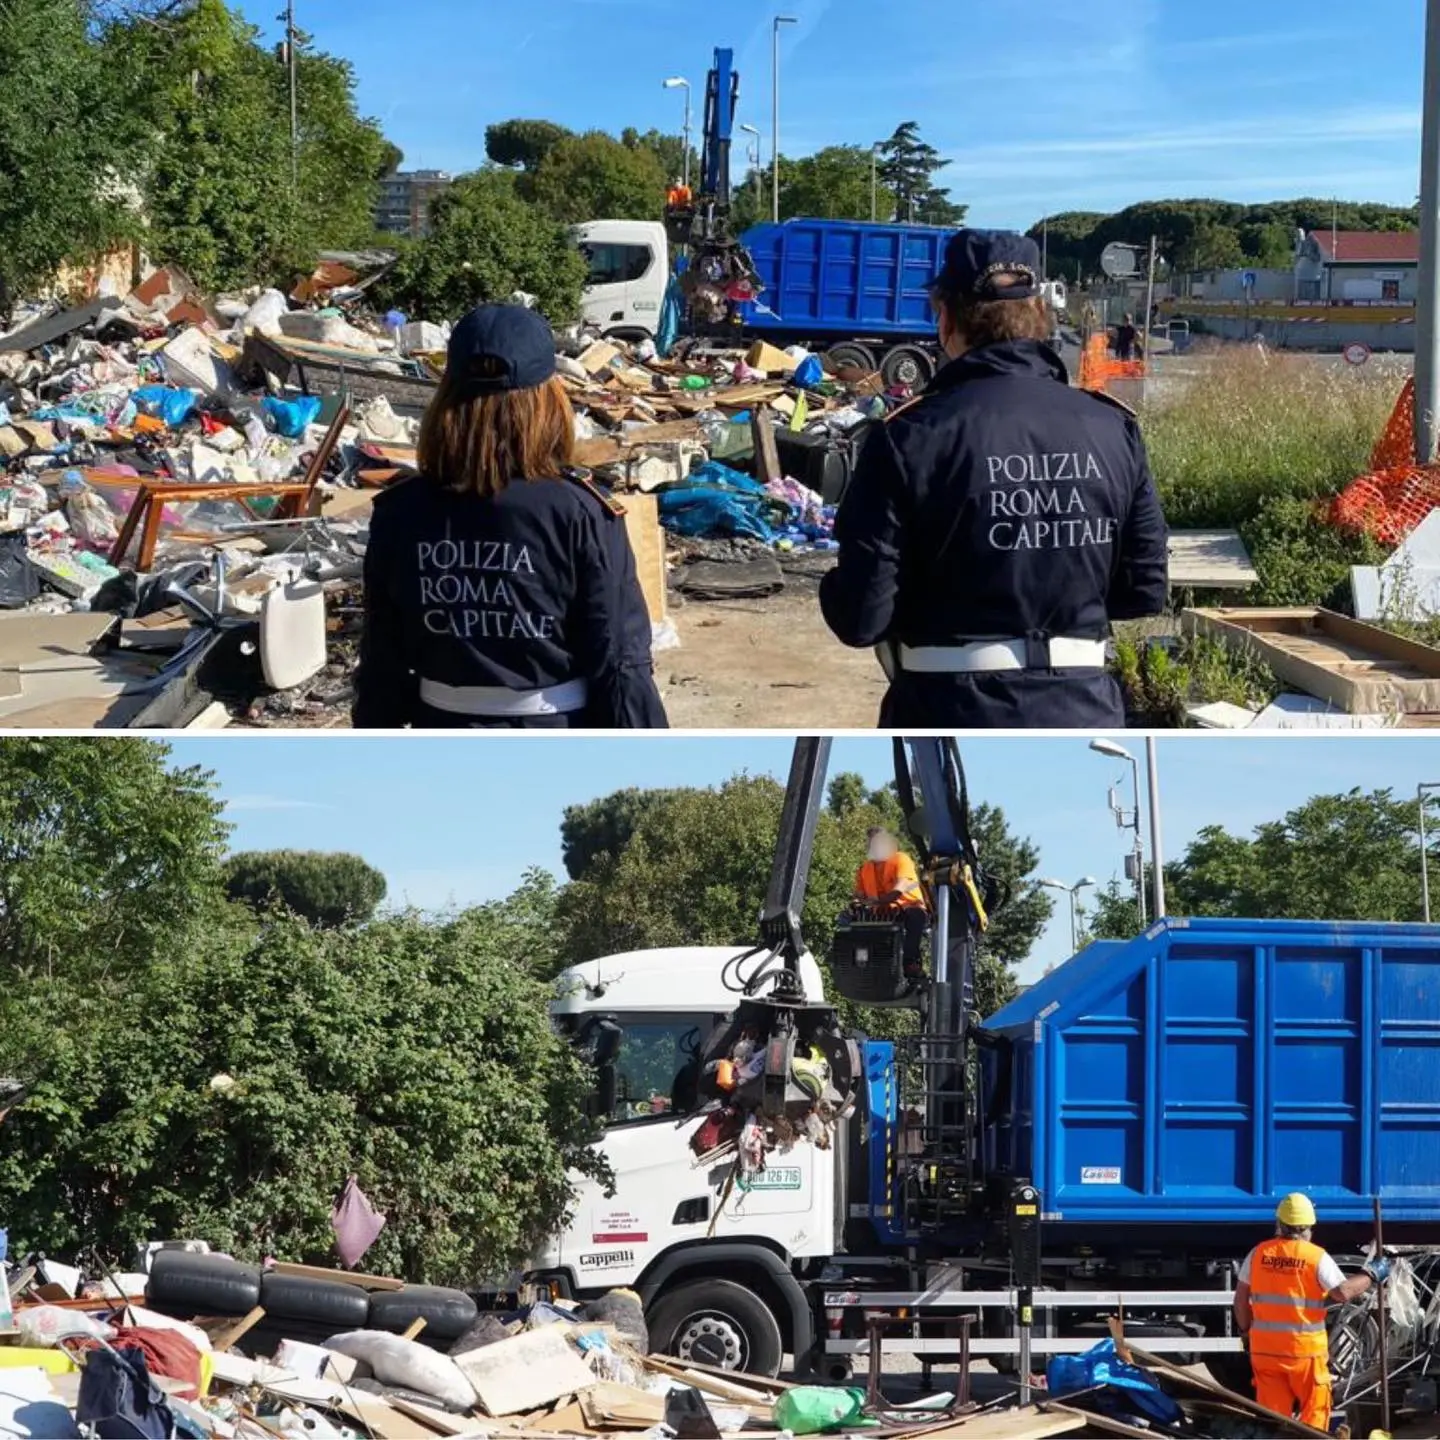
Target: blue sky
(1041,106)
(457,820)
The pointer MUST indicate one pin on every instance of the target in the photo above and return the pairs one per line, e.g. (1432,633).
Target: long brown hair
(480,443)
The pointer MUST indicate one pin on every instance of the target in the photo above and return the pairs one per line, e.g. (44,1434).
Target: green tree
(63,146)
(522,144)
(691,867)
(908,166)
(107,857)
(216,163)
(239,1117)
(484,244)
(1349,856)
(328,890)
(669,150)
(1211,246)
(832,184)
(595,177)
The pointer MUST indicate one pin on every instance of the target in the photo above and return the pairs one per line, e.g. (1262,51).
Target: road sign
(1356,354)
(1248,279)
(1118,261)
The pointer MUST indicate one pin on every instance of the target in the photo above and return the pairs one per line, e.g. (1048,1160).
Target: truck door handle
(692,1212)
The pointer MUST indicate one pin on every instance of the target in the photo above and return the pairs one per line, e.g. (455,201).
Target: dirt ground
(766,664)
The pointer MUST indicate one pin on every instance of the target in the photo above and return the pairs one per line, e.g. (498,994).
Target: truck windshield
(654,1050)
(615,264)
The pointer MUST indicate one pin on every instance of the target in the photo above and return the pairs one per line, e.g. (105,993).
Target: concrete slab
(1210,560)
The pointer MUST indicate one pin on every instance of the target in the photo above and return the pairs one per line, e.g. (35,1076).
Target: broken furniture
(318,369)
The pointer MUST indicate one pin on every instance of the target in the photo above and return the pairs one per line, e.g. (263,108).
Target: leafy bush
(1301,558)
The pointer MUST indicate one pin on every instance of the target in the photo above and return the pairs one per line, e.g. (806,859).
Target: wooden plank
(230,1338)
(345,1277)
(724,1389)
(767,453)
(382,1419)
(1210,560)
(439,1422)
(1028,1423)
(1103,1423)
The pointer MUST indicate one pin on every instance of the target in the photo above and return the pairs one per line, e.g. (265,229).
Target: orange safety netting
(1097,369)
(1397,494)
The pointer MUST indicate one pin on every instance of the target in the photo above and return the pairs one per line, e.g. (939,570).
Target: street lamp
(1137,859)
(1423,792)
(753,155)
(775,111)
(874,181)
(678,82)
(1073,891)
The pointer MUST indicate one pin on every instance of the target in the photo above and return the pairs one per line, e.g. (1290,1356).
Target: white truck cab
(629,268)
(711,1256)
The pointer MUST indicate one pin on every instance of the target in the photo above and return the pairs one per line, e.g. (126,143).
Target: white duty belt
(497,702)
(987,656)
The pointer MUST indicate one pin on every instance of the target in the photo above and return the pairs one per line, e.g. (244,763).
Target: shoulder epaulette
(586,482)
(1111,400)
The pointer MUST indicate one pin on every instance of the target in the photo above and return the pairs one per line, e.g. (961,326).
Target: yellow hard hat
(1295,1210)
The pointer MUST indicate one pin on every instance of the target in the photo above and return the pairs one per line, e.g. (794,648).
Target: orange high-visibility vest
(879,877)
(1286,1301)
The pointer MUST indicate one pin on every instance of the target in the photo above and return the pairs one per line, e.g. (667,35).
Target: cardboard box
(768,359)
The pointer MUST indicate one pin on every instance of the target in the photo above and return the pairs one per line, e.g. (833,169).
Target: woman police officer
(500,587)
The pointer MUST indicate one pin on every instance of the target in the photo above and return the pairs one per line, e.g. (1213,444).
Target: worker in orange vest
(1285,1285)
(888,882)
(679,196)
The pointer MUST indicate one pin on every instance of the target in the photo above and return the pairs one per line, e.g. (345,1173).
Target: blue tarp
(718,501)
(1130,1390)
(671,313)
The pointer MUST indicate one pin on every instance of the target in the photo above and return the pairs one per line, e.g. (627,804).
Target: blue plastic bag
(291,418)
(161,402)
(690,510)
(809,372)
(1131,1390)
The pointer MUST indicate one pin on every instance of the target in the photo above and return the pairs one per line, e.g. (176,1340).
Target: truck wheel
(906,365)
(851,353)
(717,1322)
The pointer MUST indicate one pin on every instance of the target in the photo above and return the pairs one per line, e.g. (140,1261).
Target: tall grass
(1252,427)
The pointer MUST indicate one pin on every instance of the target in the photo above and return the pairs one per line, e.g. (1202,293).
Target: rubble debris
(213,459)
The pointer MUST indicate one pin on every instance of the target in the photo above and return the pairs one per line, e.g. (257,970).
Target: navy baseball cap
(975,259)
(496,348)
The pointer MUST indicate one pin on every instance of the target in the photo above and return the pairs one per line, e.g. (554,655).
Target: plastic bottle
(694,382)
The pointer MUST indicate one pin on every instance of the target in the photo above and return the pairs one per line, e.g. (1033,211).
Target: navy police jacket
(525,591)
(1002,504)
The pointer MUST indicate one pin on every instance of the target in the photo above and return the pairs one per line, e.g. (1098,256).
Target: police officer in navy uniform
(996,525)
(500,586)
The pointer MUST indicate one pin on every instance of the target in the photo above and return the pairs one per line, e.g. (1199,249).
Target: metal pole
(1157,856)
(1045,248)
(1382,1324)
(1427,299)
(874,192)
(294,94)
(1139,844)
(1145,328)
(686,180)
(1074,920)
(775,121)
(1424,858)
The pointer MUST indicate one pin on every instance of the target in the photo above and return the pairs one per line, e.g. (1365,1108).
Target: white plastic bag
(48,1325)
(408,1365)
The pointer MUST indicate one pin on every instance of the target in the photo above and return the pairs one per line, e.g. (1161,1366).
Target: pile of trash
(186,484)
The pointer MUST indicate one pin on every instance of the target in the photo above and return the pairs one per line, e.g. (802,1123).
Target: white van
(629,269)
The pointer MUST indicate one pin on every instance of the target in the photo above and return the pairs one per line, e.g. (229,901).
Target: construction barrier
(1396,494)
